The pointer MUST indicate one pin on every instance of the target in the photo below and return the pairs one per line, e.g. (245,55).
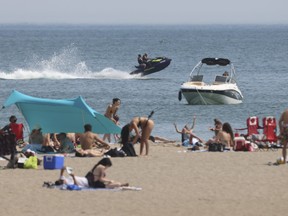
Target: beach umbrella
(60,115)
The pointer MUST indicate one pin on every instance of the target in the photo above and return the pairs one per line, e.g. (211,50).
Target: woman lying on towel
(99,177)
(81,182)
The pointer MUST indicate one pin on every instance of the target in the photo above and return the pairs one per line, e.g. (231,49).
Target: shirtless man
(88,138)
(283,126)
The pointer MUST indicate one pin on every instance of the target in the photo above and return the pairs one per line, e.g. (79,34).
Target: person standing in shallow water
(111,114)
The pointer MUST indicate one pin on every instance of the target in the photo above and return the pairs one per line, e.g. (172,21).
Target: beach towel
(64,187)
(38,148)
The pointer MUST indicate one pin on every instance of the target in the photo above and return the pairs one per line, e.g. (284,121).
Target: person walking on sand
(283,126)
(146,126)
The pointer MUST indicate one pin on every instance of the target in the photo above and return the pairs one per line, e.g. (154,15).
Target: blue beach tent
(56,116)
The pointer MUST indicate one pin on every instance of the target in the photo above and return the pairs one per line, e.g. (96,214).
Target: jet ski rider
(141,62)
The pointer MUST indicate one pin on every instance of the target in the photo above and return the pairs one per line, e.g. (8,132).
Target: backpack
(128,148)
(115,153)
(216,147)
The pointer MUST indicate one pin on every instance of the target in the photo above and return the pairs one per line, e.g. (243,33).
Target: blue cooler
(53,161)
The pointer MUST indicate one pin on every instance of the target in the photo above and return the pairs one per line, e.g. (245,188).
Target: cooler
(53,161)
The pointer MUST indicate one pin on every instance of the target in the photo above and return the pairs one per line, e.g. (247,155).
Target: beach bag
(239,147)
(216,147)
(129,150)
(249,147)
(31,163)
(115,153)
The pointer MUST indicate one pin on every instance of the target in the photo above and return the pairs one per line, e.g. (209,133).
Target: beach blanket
(37,148)
(40,149)
(51,185)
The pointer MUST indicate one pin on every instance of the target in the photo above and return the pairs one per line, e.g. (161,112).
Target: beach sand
(173,182)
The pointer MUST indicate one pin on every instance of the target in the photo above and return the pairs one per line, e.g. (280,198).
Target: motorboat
(220,89)
(152,66)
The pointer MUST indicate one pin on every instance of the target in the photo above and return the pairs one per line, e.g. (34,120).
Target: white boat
(222,89)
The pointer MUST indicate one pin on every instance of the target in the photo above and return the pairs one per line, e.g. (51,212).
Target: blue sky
(144,12)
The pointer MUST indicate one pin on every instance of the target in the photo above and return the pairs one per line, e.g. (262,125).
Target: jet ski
(152,66)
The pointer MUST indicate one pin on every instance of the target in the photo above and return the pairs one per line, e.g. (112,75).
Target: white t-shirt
(81,181)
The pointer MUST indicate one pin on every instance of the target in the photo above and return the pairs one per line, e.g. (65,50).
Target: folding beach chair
(270,129)
(8,146)
(252,126)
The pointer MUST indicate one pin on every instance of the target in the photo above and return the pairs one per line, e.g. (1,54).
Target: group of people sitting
(223,135)
(86,143)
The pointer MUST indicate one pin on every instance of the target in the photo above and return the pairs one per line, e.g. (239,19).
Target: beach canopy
(63,115)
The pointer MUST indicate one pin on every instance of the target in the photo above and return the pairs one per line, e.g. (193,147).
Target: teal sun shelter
(60,115)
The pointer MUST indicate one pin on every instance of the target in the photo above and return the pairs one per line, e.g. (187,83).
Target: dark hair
(59,182)
(88,127)
(125,134)
(217,121)
(115,100)
(105,162)
(227,128)
(13,119)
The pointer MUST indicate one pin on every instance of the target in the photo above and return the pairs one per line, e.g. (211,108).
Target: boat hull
(154,68)
(211,96)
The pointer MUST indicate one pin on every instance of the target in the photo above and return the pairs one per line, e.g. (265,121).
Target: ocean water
(94,61)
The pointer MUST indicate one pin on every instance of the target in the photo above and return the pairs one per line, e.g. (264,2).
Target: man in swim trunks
(283,126)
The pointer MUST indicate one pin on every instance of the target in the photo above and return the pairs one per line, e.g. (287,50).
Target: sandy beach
(173,182)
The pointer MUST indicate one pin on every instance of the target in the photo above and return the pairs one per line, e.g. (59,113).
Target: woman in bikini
(226,136)
(111,114)
(146,126)
(100,180)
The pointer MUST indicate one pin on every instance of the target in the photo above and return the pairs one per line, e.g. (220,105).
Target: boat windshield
(197,78)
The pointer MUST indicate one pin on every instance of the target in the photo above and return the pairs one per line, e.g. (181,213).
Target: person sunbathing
(82,182)
(99,176)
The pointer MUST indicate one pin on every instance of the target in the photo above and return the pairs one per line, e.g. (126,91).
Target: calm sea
(95,61)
